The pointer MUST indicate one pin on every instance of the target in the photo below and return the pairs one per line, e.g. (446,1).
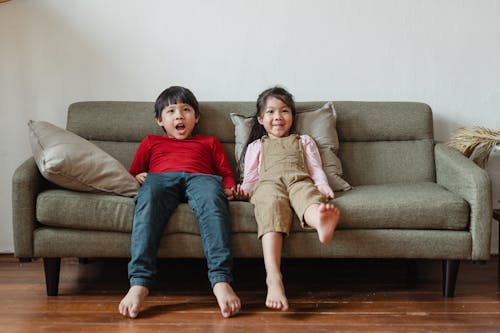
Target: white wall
(54,52)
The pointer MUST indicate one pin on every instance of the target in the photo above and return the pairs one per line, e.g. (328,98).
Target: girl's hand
(242,195)
(326,190)
(141,177)
(237,194)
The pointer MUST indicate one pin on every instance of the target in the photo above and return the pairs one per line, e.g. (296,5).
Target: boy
(171,168)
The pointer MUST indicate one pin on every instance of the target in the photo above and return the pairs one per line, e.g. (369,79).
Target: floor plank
(325,296)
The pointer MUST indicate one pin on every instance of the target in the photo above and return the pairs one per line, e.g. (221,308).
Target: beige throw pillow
(72,162)
(320,124)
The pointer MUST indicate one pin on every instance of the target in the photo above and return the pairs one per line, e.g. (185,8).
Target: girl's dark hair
(175,95)
(258,130)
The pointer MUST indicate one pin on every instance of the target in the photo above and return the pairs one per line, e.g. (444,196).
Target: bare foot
(229,302)
(276,298)
(328,219)
(132,302)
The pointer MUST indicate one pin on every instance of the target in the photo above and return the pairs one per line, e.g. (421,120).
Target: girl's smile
(276,118)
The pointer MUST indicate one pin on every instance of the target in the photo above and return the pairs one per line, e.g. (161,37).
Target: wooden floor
(325,296)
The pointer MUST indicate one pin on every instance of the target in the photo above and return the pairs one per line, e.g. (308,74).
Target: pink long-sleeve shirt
(251,172)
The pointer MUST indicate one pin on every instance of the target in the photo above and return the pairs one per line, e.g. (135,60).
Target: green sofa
(412,198)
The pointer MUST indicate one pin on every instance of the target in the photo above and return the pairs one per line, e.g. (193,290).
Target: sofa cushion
(70,161)
(320,124)
(393,206)
(102,212)
(384,162)
(92,211)
(383,121)
(423,205)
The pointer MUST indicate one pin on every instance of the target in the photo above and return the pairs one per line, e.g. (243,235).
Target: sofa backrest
(380,142)
(385,142)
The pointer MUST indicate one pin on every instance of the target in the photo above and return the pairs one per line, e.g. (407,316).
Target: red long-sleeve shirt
(198,154)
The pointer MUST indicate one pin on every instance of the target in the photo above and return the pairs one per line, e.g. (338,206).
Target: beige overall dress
(284,182)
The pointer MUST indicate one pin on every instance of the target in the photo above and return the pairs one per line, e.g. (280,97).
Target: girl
(283,169)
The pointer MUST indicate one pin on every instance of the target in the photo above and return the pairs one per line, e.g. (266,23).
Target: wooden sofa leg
(450,272)
(52,268)
(24,259)
(83,261)
(411,273)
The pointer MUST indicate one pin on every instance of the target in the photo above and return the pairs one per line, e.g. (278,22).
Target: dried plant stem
(475,143)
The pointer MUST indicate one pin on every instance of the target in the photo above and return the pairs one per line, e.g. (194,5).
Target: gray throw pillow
(320,124)
(72,162)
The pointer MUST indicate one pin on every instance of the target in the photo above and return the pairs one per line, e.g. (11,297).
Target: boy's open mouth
(180,127)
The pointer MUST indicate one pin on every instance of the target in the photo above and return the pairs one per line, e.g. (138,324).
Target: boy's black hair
(175,95)
(258,131)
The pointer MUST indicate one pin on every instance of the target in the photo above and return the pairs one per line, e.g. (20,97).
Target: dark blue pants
(157,199)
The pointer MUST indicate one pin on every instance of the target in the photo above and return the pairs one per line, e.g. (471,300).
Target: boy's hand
(326,190)
(237,194)
(141,177)
(229,193)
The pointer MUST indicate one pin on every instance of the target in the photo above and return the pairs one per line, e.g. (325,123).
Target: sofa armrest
(460,175)
(26,184)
